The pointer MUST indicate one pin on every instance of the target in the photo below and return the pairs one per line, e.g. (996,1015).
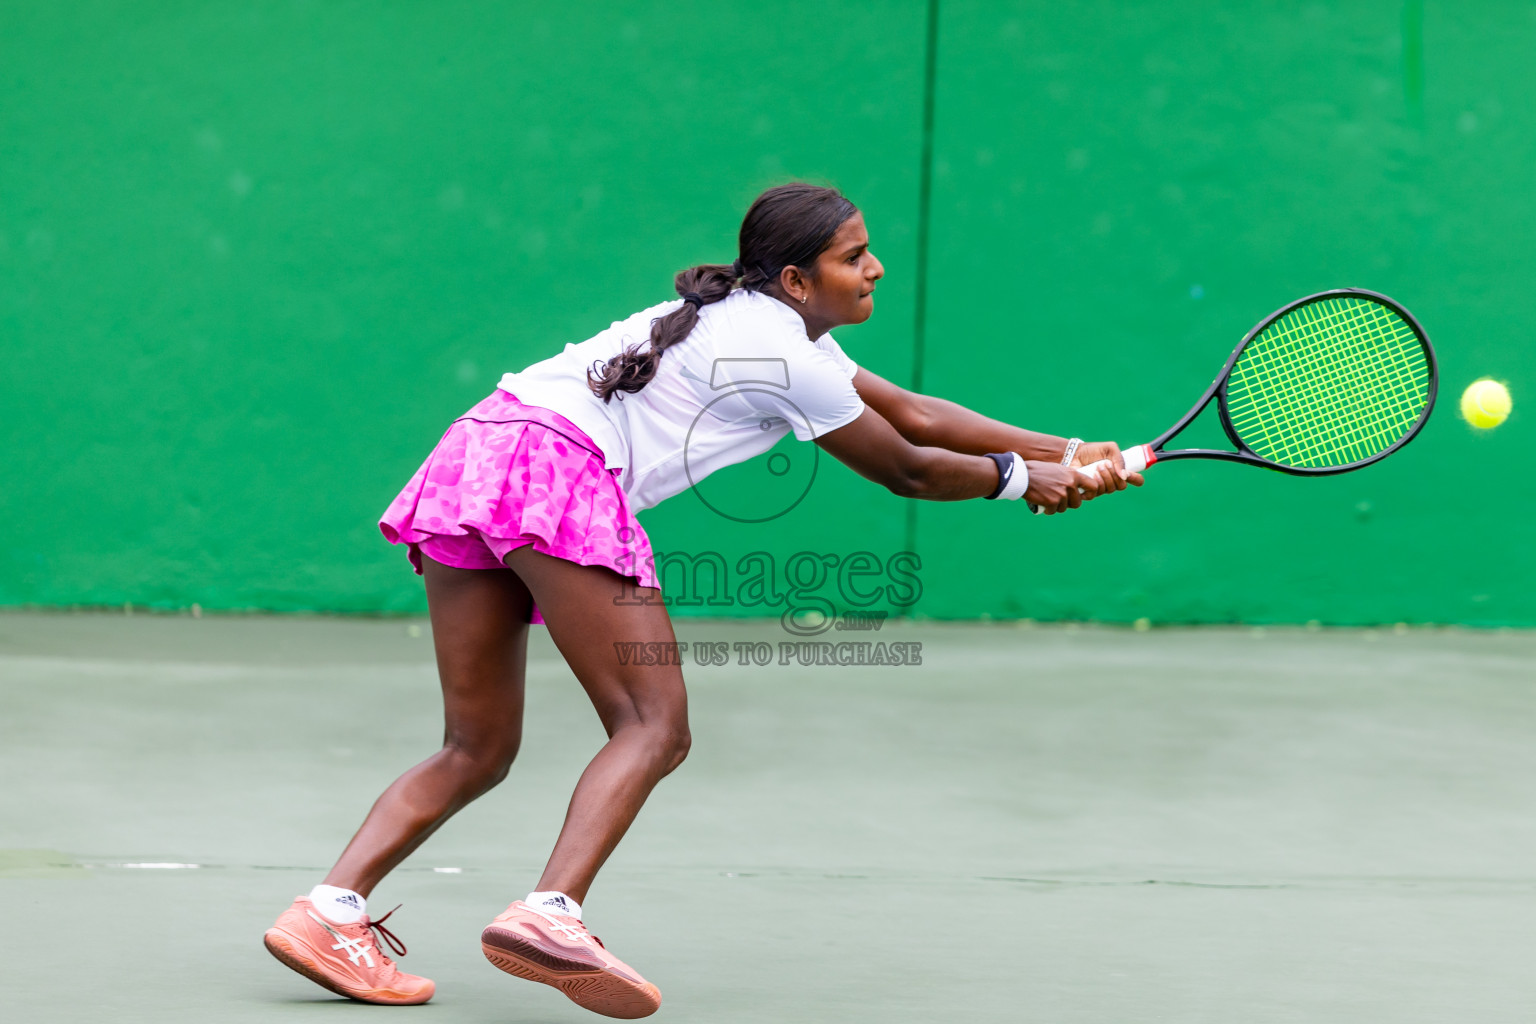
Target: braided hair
(787,226)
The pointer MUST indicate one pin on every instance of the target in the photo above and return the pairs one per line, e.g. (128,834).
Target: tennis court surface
(1047,824)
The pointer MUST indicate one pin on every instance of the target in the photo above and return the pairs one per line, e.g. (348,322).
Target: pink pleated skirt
(507,475)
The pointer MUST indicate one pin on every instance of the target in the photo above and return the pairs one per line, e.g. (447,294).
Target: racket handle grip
(1136,460)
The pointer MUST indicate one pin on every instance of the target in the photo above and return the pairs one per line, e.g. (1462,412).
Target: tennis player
(525,512)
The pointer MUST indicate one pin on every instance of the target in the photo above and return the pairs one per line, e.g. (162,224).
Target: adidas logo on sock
(558,902)
(350,900)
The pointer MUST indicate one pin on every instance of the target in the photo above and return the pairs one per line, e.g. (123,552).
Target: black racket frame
(1247,455)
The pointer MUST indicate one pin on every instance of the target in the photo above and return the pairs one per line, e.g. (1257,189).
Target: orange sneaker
(344,957)
(558,950)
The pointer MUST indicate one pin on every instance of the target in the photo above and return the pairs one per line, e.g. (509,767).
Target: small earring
(802,299)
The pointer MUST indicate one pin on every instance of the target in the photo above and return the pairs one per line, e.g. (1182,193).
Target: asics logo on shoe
(572,932)
(356,949)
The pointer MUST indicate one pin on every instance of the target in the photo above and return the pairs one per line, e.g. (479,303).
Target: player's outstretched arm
(871,447)
(935,422)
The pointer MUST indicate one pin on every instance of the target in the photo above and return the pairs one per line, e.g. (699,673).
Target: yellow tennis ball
(1485,404)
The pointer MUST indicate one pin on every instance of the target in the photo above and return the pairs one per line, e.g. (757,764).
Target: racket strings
(1338,392)
(1281,382)
(1340,389)
(1373,408)
(1348,421)
(1331,383)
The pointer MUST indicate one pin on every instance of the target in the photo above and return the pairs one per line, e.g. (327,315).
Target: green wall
(253,258)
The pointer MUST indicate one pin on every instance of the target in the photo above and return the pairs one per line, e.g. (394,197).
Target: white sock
(555,903)
(337,905)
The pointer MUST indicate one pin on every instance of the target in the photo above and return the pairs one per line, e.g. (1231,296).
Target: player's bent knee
(495,775)
(678,744)
(481,770)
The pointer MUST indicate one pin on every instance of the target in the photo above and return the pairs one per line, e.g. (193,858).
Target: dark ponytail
(787,226)
(633,368)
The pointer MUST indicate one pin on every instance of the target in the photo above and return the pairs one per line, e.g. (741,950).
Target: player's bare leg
(480,632)
(644,709)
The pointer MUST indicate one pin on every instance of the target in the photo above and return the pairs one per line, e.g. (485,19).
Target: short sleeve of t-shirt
(833,349)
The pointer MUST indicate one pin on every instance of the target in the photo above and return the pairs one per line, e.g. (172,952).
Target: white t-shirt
(742,379)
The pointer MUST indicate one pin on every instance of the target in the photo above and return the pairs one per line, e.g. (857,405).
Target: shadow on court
(1052,824)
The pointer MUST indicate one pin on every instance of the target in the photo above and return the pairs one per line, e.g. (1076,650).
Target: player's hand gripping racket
(1329,383)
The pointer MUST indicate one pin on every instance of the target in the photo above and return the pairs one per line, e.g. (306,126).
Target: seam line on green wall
(1413,60)
(924,209)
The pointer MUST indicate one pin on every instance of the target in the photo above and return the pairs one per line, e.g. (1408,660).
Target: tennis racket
(1327,384)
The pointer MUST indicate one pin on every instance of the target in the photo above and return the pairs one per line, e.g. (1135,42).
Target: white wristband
(1017,482)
